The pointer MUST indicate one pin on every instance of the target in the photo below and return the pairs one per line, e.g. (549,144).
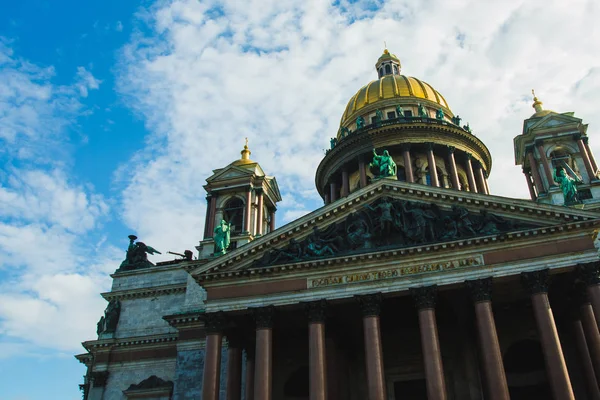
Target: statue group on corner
(136,255)
(390,223)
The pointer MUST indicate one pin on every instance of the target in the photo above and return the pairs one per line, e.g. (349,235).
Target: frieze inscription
(391,273)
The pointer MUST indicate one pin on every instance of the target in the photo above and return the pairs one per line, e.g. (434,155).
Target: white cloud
(119,26)
(86,81)
(50,275)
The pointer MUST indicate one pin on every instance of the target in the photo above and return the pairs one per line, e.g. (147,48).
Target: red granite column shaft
(530,185)
(590,274)
(545,163)
(590,154)
(432,357)
(249,389)
(480,179)
(207,232)
(259,214)
(470,175)
(487,182)
(431,165)
(345,183)
(586,158)
(537,179)
(234,368)
(263,373)
(212,360)
(453,170)
(493,367)
(247,216)
(362,170)
(371,308)
(333,192)
(316,351)
(408,171)
(592,336)
(537,284)
(586,361)
(272,222)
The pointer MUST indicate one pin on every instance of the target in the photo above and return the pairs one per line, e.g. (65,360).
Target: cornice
(145,292)
(137,341)
(195,317)
(525,209)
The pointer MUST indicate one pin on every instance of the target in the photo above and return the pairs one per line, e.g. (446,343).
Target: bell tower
(551,142)
(243,196)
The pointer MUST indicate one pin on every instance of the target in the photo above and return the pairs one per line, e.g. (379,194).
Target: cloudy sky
(112,115)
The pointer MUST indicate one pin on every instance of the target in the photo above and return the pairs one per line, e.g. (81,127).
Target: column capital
(258,190)
(529,148)
(589,273)
(480,289)
(264,316)
(536,281)
(585,139)
(579,295)
(526,170)
(538,142)
(215,322)
(485,174)
(424,296)
(577,136)
(469,156)
(316,311)
(405,146)
(370,304)
(450,149)
(429,145)
(234,339)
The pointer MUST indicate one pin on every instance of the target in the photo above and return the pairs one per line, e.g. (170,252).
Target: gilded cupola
(414,123)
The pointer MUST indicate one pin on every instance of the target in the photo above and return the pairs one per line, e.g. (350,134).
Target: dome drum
(346,158)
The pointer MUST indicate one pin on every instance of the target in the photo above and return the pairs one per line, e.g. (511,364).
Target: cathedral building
(412,281)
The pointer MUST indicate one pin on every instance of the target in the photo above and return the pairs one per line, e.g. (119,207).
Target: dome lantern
(387,64)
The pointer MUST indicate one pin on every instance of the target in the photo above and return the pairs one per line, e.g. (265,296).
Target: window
(380,72)
(388,69)
(374,119)
(408,113)
(234,214)
(391,115)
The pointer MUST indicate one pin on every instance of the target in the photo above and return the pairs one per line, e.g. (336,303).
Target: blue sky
(112,115)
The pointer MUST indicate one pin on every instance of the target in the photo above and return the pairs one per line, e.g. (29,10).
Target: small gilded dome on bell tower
(388,64)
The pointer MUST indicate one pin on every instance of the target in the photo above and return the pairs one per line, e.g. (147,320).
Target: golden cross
(533,92)
(246,142)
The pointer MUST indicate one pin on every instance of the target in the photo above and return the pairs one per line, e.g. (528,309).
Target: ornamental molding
(145,292)
(137,341)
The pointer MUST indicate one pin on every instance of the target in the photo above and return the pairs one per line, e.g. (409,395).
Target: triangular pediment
(390,215)
(230,172)
(551,122)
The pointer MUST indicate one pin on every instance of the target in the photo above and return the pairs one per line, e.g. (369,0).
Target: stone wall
(122,375)
(143,316)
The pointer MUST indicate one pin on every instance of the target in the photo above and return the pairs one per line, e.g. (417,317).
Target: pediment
(230,172)
(552,121)
(391,215)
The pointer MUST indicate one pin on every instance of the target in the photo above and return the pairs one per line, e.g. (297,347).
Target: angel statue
(135,257)
(222,238)
(567,185)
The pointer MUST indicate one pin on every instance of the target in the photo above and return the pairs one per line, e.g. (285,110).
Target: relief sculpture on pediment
(390,223)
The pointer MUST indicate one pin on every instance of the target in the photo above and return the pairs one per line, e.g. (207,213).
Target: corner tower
(242,195)
(552,140)
(414,123)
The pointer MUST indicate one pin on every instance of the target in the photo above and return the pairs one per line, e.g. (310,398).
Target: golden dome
(245,160)
(391,87)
